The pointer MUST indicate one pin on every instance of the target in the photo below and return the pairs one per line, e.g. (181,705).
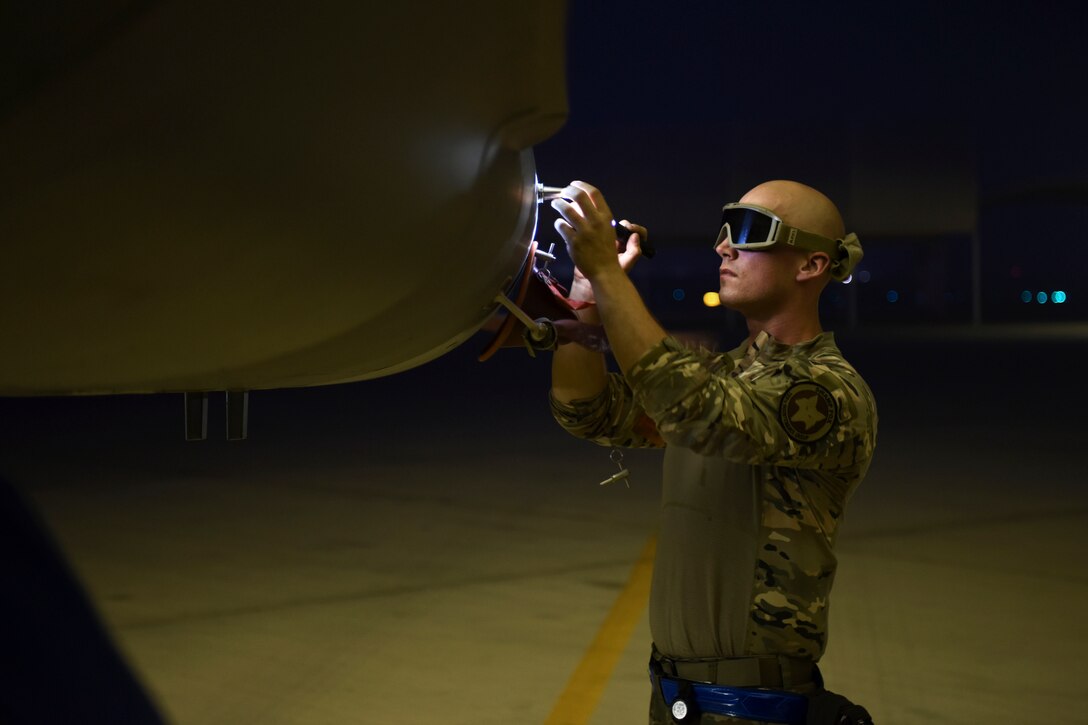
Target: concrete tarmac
(430,547)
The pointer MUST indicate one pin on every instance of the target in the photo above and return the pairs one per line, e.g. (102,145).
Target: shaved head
(799,206)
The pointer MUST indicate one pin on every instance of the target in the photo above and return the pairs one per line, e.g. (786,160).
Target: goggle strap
(793,237)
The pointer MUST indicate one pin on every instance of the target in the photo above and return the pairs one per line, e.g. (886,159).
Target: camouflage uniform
(764,446)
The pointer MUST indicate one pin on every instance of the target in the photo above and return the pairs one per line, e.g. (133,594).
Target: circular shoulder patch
(807,412)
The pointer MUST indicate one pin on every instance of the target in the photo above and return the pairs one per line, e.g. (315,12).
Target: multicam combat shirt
(763,448)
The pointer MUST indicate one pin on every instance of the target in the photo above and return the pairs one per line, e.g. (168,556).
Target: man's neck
(787,330)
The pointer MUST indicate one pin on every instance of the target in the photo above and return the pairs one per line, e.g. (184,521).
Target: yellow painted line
(586,685)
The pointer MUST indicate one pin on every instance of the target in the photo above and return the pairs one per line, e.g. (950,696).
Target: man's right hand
(628,251)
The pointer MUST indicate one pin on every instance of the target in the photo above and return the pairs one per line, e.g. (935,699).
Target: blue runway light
(892,296)
(1058,296)
(678,294)
(1041,298)
(1026,296)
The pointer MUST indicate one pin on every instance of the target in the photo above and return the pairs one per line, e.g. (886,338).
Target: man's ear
(815,265)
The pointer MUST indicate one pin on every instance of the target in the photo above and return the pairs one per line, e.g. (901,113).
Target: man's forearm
(578,373)
(632,331)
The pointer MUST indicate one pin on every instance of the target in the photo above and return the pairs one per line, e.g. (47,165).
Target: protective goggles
(751,227)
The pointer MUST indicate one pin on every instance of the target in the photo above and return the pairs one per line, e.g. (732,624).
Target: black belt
(776,671)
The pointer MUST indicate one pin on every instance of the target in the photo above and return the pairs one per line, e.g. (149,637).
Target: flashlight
(547,193)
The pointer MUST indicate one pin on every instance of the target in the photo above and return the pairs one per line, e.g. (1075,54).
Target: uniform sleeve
(613,418)
(801,415)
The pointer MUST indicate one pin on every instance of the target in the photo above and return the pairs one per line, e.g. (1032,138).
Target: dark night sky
(673,108)
(919,120)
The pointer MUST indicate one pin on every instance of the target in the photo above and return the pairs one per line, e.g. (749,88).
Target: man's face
(756,283)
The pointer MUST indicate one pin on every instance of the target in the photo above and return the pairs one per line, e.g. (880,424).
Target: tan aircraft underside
(237,196)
